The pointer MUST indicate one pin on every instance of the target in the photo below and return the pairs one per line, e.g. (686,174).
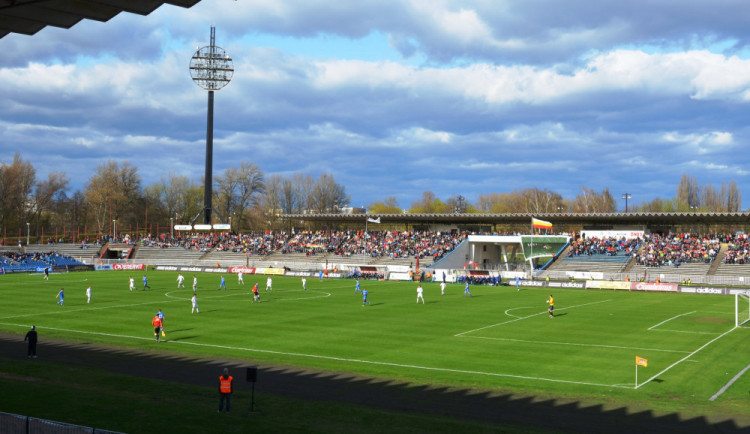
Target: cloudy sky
(396,97)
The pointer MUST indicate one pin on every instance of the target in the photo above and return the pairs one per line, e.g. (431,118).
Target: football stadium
(523,313)
(647,329)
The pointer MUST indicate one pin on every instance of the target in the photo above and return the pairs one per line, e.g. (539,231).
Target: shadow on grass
(182,338)
(495,407)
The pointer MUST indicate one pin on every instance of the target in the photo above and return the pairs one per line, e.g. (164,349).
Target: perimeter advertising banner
(271,271)
(191,269)
(703,290)
(301,274)
(243,270)
(659,287)
(545,284)
(128,266)
(576,285)
(607,284)
(399,276)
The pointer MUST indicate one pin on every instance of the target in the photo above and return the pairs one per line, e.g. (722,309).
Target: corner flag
(640,361)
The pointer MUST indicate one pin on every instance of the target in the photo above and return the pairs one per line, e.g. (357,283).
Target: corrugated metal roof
(648,218)
(30,16)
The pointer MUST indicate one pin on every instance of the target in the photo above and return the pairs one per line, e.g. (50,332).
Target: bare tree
(427,205)
(589,201)
(497,203)
(389,205)
(299,195)
(710,199)
(249,190)
(540,201)
(238,190)
(328,196)
(731,196)
(112,192)
(657,205)
(688,192)
(16,186)
(45,194)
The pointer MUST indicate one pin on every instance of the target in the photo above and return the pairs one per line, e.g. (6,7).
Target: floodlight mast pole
(211,68)
(208,179)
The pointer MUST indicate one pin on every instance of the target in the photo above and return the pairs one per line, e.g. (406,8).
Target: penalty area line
(670,319)
(576,344)
(525,317)
(685,358)
(726,386)
(339,359)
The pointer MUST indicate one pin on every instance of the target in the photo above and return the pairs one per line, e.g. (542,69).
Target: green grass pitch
(499,339)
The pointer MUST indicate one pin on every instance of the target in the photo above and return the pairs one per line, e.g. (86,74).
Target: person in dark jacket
(31,338)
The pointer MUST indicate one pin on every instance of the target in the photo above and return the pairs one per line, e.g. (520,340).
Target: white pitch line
(339,359)
(686,357)
(726,386)
(577,344)
(528,316)
(167,294)
(670,319)
(686,331)
(507,311)
(64,310)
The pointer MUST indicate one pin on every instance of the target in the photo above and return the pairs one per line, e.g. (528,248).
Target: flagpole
(636,376)
(366,220)
(531,250)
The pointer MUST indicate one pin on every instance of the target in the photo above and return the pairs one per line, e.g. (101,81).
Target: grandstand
(598,263)
(71,250)
(15,260)
(165,256)
(701,259)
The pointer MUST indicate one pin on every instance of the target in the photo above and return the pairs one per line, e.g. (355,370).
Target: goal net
(742,310)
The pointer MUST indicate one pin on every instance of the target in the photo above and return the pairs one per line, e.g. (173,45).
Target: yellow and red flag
(540,224)
(640,361)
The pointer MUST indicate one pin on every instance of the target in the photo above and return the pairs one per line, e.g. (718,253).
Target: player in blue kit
(223,284)
(518,284)
(466,289)
(364,297)
(145,282)
(61,296)
(357,288)
(160,314)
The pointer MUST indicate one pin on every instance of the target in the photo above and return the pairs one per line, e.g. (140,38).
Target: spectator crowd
(376,244)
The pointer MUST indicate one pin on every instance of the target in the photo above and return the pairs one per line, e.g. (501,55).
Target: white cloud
(561,94)
(702,143)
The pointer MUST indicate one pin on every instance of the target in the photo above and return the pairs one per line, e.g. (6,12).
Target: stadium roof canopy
(30,16)
(557,219)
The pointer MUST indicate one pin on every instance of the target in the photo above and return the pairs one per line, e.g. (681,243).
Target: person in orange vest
(225,390)
(157,327)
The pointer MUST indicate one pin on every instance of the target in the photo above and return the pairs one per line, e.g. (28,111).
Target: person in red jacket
(157,327)
(225,390)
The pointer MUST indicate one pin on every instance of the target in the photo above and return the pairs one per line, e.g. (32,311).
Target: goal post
(741,309)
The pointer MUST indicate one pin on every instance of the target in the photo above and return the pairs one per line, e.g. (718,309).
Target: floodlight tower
(211,68)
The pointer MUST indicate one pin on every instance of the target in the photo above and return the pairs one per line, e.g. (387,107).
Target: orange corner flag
(640,361)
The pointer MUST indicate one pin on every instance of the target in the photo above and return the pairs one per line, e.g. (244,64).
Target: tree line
(253,201)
